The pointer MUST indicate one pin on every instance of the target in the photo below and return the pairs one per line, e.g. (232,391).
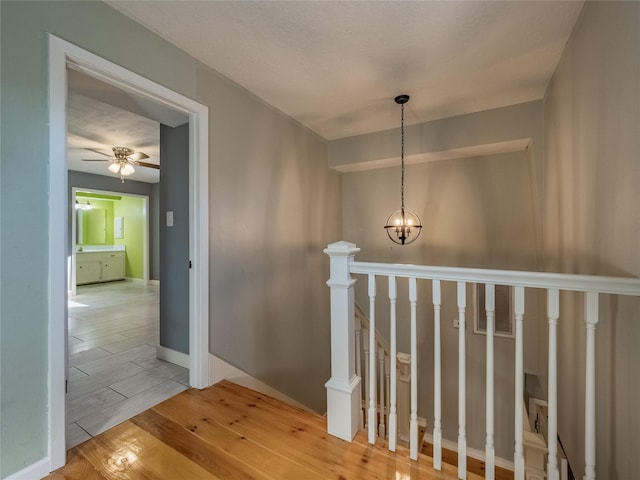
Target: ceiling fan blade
(149,165)
(138,156)
(95,159)
(99,152)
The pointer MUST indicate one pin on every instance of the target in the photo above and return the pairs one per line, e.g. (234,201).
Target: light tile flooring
(113,370)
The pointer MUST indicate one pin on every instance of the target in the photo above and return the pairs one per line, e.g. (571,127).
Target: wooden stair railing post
(518,457)
(404,397)
(358,328)
(372,404)
(382,413)
(490,451)
(393,395)
(343,389)
(413,422)
(591,319)
(437,378)
(553,313)
(365,392)
(462,382)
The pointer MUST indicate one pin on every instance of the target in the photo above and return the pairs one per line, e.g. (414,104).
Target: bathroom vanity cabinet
(95,267)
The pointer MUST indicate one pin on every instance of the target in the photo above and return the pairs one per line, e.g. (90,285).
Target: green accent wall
(132,211)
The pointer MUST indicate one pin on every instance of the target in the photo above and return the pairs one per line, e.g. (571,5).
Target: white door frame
(62,55)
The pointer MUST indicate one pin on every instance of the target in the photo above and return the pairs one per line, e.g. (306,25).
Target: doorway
(64,55)
(98,220)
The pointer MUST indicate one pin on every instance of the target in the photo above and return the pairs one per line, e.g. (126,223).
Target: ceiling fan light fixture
(127,169)
(114,167)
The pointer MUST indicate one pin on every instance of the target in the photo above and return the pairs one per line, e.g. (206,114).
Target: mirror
(91,226)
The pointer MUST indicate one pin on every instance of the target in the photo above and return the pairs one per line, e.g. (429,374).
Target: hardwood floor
(113,370)
(230,432)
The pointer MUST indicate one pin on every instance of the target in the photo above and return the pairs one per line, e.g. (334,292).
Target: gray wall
(154,235)
(113,184)
(174,241)
(274,205)
(592,225)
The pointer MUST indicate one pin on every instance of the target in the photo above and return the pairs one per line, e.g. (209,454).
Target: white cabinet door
(94,267)
(87,271)
(112,266)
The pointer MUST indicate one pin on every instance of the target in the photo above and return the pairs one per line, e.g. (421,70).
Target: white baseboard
(471,452)
(221,370)
(154,282)
(172,356)
(135,280)
(40,469)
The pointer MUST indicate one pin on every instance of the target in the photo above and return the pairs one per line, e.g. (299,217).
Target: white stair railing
(381,410)
(343,394)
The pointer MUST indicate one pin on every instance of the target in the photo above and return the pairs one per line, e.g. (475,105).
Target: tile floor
(113,370)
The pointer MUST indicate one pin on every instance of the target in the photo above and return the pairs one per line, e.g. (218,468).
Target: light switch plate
(169,219)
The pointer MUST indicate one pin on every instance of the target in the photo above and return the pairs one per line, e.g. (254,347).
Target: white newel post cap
(341,249)
(340,253)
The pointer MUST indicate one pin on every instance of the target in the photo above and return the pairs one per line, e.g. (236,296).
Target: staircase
(344,390)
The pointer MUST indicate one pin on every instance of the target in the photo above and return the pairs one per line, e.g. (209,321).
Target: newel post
(343,389)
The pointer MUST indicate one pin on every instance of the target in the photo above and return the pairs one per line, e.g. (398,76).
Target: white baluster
(359,360)
(437,378)
(381,388)
(413,423)
(372,360)
(591,319)
(393,397)
(404,396)
(553,312)
(343,389)
(387,383)
(490,303)
(462,414)
(365,347)
(518,460)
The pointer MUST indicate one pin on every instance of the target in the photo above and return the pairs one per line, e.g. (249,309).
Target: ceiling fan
(123,161)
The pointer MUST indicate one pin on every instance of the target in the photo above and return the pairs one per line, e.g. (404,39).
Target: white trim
(140,281)
(221,370)
(57,254)
(63,54)
(173,356)
(561,281)
(154,282)
(39,469)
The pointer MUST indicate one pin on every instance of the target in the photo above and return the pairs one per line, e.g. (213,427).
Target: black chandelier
(403,226)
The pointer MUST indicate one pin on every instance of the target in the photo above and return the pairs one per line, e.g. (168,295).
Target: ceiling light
(403,226)
(127,169)
(114,167)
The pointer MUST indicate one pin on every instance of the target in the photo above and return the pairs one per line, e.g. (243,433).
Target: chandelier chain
(402,155)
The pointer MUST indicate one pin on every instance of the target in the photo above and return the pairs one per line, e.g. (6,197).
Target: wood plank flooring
(230,432)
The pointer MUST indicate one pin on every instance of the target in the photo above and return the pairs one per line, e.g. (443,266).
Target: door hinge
(189,263)
(66,386)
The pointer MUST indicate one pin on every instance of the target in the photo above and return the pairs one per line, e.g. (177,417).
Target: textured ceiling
(94,126)
(336,66)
